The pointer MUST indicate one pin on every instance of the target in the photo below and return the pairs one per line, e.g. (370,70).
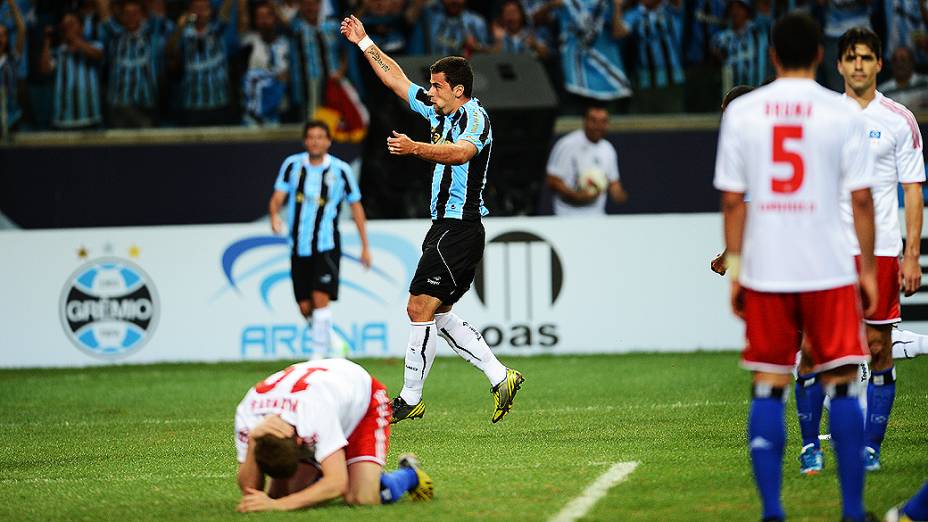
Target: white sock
(322,332)
(908,345)
(467,342)
(420,354)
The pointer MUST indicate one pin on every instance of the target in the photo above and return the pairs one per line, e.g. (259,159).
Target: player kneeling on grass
(320,430)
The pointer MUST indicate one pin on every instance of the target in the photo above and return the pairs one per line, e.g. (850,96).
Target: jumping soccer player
(796,147)
(895,141)
(316,183)
(453,247)
(329,417)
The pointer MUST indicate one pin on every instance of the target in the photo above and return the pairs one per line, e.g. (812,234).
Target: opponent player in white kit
(331,414)
(895,140)
(795,147)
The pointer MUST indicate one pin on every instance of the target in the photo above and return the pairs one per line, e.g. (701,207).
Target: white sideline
(581,505)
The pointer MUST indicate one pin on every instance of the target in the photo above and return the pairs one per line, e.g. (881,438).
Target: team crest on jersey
(436,136)
(874,135)
(109,307)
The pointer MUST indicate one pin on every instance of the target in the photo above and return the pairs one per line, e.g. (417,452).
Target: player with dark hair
(895,140)
(316,183)
(796,147)
(320,430)
(461,140)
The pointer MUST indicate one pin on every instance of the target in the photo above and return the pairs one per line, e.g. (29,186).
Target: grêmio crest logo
(519,281)
(109,307)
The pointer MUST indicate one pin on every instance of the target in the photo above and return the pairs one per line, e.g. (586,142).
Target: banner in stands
(223,292)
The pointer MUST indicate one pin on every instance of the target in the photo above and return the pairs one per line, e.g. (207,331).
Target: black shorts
(450,254)
(318,272)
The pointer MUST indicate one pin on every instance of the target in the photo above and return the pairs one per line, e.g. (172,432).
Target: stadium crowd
(83,64)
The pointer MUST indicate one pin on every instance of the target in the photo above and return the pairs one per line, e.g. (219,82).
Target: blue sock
(809,401)
(766,439)
(396,483)
(881,392)
(847,437)
(917,507)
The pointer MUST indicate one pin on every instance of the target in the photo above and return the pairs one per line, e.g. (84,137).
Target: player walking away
(916,508)
(460,149)
(328,418)
(316,183)
(795,147)
(895,141)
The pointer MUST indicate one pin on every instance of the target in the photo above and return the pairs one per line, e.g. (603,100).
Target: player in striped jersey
(316,183)
(461,140)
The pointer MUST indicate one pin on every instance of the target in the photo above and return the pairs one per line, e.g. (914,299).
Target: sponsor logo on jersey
(874,135)
(109,307)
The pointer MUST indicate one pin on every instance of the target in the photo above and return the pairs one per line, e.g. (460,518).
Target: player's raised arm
(386,69)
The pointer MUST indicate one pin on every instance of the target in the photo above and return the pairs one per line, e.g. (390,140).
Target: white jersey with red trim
(325,400)
(896,142)
(795,147)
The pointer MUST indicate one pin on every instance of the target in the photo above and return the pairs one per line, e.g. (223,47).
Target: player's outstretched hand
(400,144)
(353,29)
(256,500)
(910,275)
(718,264)
(737,299)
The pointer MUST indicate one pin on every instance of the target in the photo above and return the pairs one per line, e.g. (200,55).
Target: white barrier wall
(223,293)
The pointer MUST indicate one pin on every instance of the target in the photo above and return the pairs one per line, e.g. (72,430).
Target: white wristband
(365,43)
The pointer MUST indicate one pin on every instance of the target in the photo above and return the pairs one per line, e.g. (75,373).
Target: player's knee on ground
(306,308)
(362,498)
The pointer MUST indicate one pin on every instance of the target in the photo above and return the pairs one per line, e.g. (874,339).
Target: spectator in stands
(11,52)
(76,64)
(906,87)
(315,56)
(742,47)
(906,27)
(839,16)
(657,31)
(134,54)
(198,47)
(539,17)
(448,28)
(511,35)
(704,19)
(589,44)
(388,23)
(268,57)
(585,153)
(708,18)
(88,11)
(156,17)
(8,20)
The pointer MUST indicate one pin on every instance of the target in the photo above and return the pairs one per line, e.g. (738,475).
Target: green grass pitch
(155,442)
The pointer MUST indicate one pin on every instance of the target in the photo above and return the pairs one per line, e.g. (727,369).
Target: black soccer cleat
(403,411)
(505,392)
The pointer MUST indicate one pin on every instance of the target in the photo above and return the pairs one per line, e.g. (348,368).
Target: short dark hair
(796,38)
(734,92)
(594,107)
(859,35)
(316,124)
(457,71)
(277,457)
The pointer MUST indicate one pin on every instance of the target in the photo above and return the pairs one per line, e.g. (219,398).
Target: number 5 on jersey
(781,133)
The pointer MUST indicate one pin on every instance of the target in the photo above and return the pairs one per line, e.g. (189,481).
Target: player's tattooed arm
(384,67)
(375,57)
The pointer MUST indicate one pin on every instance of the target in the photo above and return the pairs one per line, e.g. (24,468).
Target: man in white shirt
(796,147)
(584,152)
(895,141)
(329,417)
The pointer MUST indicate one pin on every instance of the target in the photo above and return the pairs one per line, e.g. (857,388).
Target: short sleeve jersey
(795,146)
(896,142)
(574,154)
(325,400)
(457,190)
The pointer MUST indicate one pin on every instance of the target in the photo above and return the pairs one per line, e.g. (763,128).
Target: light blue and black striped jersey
(745,52)
(517,43)
(77,89)
(708,19)
(134,63)
(205,82)
(457,190)
(438,33)
(314,54)
(658,32)
(315,194)
(590,57)
(6,19)
(903,23)
(10,112)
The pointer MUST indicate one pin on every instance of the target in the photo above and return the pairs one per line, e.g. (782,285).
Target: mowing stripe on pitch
(581,505)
